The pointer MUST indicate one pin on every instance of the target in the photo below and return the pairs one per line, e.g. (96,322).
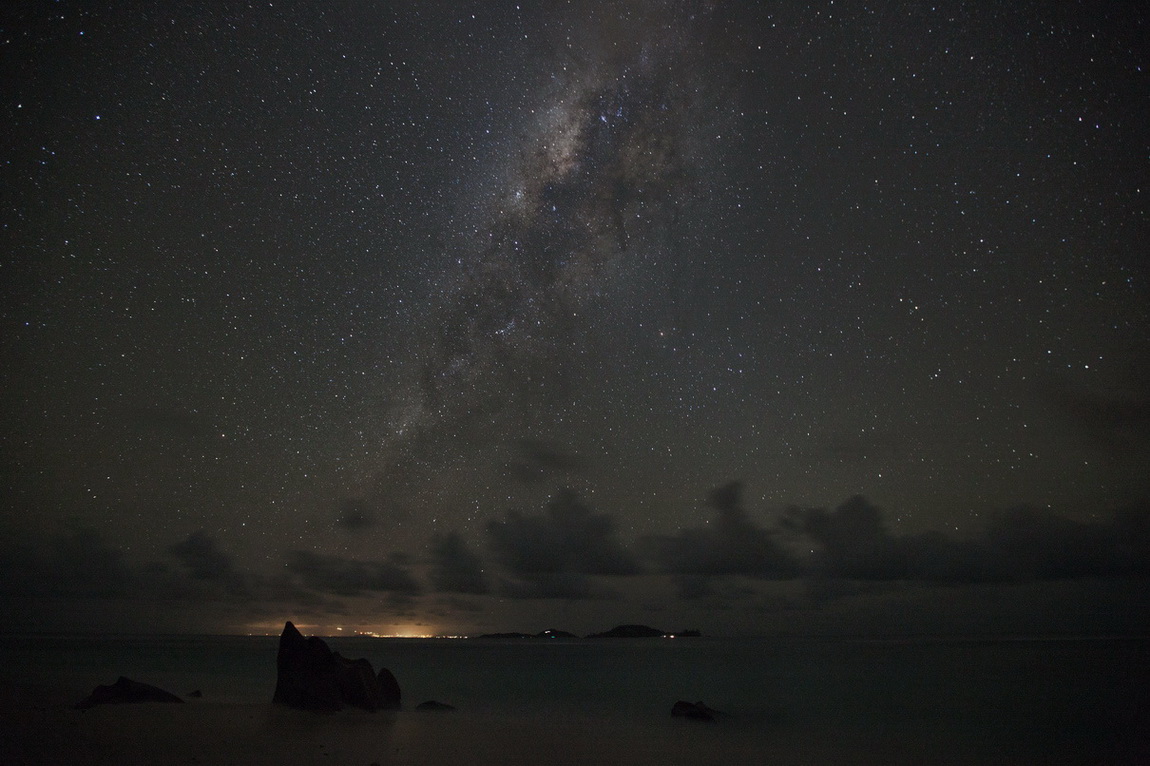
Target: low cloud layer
(551,555)
(349,577)
(205,561)
(732,545)
(570,551)
(537,460)
(1019,544)
(567,537)
(456,567)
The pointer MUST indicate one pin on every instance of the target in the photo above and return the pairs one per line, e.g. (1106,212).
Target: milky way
(598,183)
(416,310)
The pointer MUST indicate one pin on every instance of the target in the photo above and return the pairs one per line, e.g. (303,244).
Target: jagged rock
(125,690)
(392,697)
(696,711)
(358,685)
(311,676)
(434,707)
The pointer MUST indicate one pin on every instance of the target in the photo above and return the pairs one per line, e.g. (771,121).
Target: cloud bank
(570,552)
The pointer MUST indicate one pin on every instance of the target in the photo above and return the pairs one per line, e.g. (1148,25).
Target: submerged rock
(435,707)
(125,690)
(310,676)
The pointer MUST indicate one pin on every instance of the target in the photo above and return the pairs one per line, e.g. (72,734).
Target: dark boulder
(311,676)
(695,711)
(125,690)
(357,683)
(391,696)
(431,706)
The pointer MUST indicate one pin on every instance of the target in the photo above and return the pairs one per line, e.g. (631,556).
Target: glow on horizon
(329,631)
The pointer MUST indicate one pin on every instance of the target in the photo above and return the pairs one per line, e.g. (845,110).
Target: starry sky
(471,316)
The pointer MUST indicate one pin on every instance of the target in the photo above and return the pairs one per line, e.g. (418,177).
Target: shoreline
(199,733)
(204,733)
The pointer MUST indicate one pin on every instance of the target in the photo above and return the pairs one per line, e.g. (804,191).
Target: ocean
(996,701)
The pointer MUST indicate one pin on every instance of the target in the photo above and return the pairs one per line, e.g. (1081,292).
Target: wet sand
(38,726)
(200,733)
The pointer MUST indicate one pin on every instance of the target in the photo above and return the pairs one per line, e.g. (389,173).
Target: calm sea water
(1056,701)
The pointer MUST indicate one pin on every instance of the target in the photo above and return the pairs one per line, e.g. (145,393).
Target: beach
(811,702)
(209,733)
(198,734)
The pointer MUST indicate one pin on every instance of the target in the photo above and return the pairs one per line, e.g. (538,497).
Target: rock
(311,676)
(357,683)
(434,707)
(389,688)
(696,711)
(197,694)
(125,690)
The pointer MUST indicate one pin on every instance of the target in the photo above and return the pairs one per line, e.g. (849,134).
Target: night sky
(455,317)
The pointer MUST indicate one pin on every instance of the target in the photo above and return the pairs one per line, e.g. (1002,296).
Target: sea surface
(1004,700)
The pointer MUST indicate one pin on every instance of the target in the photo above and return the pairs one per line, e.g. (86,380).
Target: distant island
(619,631)
(540,634)
(643,631)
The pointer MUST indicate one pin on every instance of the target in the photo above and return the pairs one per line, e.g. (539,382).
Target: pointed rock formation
(310,676)
(696,711)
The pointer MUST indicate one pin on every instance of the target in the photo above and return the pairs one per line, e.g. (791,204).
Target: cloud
(75,564)
(78,578)
(1021,543)
(349,577)
(1034,543)
(355,515)
(556,554)
(457,568)
(567,538)
(536,460)
(1116,421)
(569,585)
(203,558)
(854,542)
(731,545)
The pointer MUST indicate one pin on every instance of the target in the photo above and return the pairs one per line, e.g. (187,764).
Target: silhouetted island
(619,631)
(643,631)
(540,634)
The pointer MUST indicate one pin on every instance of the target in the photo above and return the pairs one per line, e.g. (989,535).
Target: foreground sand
(40,730)
(252,734)
(257,734)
